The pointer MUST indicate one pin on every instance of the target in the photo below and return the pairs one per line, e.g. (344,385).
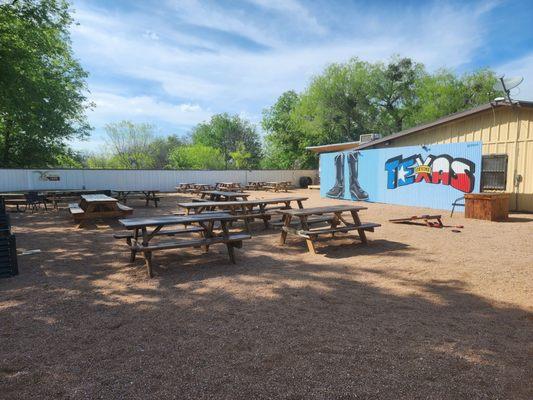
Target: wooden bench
(310,220)
(17,203)
(310,233)
(234,239)
(338,223)
(97,206)
(171,232)
(140,240)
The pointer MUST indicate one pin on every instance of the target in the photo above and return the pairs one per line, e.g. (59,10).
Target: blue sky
(174,63)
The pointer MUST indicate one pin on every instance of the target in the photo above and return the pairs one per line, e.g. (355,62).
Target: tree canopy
(42,101)
(354,98)
(235,137)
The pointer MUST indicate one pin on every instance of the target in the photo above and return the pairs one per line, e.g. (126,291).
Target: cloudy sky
(174,63)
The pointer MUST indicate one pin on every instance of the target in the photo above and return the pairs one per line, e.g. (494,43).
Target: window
(494,172)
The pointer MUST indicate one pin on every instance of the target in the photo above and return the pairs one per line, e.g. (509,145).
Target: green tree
(161,148)
(283,140)
(196,156)
(444,93)
(131,144)
(357,97)
(227,133)
(241,157)
(42,101)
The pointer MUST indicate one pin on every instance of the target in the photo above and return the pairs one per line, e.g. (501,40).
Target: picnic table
(248,210)
(94,206)
(255,185)
(338,223)
(144,230)
(277,186)
(219,195)
(56,195)
(147,195)
(183,187)
(229,186)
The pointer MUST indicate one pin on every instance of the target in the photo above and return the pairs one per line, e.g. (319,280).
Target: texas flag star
(402,173)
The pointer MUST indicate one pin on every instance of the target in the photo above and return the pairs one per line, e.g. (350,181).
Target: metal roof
(452,117)
(333,147)
(446,119)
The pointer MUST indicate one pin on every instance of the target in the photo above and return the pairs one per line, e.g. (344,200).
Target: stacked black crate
(8,246)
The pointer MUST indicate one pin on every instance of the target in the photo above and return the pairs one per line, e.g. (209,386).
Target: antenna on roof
(506,84)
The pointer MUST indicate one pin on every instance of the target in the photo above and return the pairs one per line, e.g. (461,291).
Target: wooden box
(488,206)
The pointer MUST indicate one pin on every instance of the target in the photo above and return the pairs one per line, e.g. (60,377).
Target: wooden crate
(488,206)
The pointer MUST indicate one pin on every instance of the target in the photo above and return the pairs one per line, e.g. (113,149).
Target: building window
(494,172)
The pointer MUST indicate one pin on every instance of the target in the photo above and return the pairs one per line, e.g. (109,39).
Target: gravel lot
(419,313)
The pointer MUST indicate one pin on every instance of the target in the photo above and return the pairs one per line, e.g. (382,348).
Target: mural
(429,176)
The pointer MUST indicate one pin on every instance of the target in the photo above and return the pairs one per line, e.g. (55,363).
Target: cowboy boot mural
(355,189)
(337,191)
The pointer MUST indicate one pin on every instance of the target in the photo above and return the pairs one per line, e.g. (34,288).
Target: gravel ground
(419,313)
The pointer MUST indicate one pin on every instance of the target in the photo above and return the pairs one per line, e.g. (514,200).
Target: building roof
(452,117)
(446,119)
(333,147)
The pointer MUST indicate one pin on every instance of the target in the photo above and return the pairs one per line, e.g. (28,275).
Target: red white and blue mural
(427,176)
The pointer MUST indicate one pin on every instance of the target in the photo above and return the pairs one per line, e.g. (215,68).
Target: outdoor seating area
(303,282)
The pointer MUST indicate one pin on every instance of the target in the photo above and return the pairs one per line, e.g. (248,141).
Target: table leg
(310,242)
(287,224)
(335,222)
(147,254)
(300,204)
(133,252)
(357,222)
(246,220)
(231,250)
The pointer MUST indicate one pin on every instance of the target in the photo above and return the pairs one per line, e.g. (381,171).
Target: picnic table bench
(277,186)
(338,223)
(228,186)
(247,210)
(147,195)
(140,239)
(94,206)
(255,185)
(219,195)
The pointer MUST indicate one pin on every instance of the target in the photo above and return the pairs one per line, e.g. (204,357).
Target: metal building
(505,131)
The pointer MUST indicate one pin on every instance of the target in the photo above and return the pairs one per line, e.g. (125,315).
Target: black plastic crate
(8,256)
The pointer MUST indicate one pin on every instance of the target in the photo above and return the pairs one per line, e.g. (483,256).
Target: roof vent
(368,137)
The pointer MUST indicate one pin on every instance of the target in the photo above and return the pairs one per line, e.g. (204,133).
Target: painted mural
(427,176)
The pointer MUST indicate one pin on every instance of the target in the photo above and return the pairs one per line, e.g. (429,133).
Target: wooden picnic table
(338,223)
(229,186)
(277,186)
(139,240)
(255,185)
(183,187)
(94,206)
(219,195)
(147,195)
(248,210)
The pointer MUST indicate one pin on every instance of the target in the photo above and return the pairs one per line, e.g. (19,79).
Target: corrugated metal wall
(504,130)
(164,180)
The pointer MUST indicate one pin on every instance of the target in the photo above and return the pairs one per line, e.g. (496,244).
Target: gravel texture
(419,313)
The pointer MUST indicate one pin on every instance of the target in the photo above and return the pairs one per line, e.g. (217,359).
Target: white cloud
(191,76)
(295,11)
(520,67)
(113,107)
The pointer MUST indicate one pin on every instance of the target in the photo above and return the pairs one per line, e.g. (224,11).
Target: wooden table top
(240,202)
(135,191)
(98,198)
(133,223)
(222,193)
(320,210)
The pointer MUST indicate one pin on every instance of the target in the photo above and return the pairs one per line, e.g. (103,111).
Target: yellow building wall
(503,130)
